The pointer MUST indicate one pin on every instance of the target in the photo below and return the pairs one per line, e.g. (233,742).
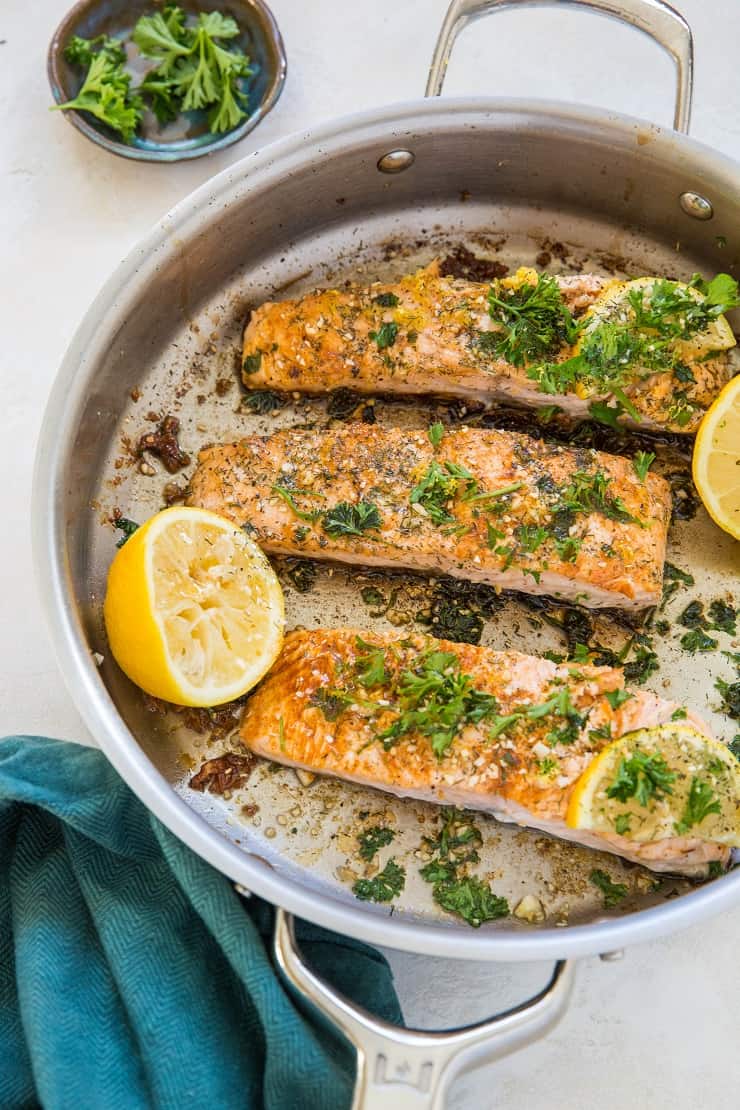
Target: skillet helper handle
(410,1069)
(653,17)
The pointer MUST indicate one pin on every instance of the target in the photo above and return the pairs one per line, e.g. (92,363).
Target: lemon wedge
(613,305)
(716,462)
(655,783)
(193,609)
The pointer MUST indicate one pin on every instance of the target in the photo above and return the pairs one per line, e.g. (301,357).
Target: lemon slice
(655,783)
(716,463)
(193,610)
(612,305)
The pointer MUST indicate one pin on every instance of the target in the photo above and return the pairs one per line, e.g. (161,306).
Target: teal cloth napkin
(132,975)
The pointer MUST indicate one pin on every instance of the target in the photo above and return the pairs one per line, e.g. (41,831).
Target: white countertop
(657,1030)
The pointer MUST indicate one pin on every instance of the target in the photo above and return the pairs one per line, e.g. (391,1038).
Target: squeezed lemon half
(716,462)
(654,783)
(613,305)
(193,609)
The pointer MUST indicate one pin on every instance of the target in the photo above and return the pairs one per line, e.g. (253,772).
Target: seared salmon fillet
(501,732)
(422,335)
(490,506)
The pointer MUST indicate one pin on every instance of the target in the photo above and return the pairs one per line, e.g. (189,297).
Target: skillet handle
(410,1069)
(654,17)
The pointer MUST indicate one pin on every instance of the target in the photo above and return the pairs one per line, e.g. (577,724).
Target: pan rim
(78,669)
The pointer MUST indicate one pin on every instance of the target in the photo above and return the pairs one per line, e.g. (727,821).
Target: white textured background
(658,1030)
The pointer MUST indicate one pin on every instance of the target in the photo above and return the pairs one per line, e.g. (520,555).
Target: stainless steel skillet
(364,197)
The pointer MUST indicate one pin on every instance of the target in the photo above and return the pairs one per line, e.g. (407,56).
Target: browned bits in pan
(226,772)
(164,444)
(462,263)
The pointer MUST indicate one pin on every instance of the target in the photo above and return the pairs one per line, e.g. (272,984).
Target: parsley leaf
(641,777)
(289,496)
(530,536)
(385,336)
(730,693)
(642,462)
(613,892)
(373,839)
(106,91)
(345,519)
(699,804)
(386,300)
(698,640)
(128,527)
(386,885)
(435,433)
(370,666)
(331,702)
(252,363)
(622,823)
(437,700)
(194,68)
(532,321)
(465,895)
(589,493)
(471,899)
(723,617)
(617,697)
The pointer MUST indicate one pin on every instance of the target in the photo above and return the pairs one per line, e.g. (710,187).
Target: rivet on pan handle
(409,1069)
(655,18)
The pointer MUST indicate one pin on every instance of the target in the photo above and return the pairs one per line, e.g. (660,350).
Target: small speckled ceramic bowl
(188,136)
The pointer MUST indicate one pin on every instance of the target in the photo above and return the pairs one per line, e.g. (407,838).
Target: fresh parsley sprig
(531,321)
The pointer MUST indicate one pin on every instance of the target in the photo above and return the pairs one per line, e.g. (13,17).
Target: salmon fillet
(330,705)
(508,523)
(330,339)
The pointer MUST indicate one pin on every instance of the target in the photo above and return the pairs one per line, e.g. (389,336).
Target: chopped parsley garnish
(386,300)
(730,693)
(437,488)
(589,493)
(617,697)
(559,704)
(734,746)
(698,640)
(453,889)
(532,321)
(547,766)
(386,886)
(603,732)
(128,527)
(693,615)
(437,700)
(370,665)
(331,702)
(252,363)
(642,462)
(263,401)
(642,777)
(613,892)
(301,573)
(622,823)
(471,899)
(373,839)
(679,714)
(530,536)
(699,804)
(435,433)
(289,496)
(568,549)
(385,336)
(723,617)
(345,519)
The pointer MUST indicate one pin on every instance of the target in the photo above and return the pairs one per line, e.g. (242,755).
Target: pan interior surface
(164,339)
